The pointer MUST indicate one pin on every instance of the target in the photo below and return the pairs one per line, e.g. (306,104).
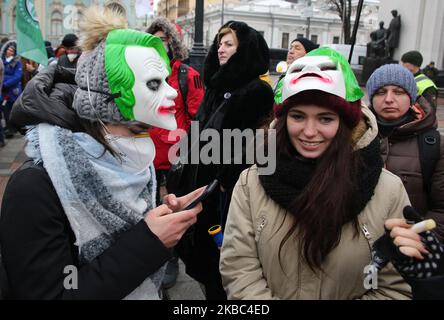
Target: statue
(381,35)
(393,33)
(376,53)
(376,47)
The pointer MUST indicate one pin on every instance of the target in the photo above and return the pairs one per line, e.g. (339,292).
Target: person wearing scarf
(305,231)
(79,221)
(402,121)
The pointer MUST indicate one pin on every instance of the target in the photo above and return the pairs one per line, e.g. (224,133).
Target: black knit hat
(308,44)
(70,40)
(413,57)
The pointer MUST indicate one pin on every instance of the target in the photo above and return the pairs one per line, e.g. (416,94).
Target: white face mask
(154,96)
(9,59)
(136,154)
(72,56)
(314,73)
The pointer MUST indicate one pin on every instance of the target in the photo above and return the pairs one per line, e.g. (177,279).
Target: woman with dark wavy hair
(305,231)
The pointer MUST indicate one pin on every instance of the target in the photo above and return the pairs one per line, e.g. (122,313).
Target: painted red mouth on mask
(311,75)
(167,110)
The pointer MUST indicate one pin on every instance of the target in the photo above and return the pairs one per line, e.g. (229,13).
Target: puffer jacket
(256,224)
(13,72)
(400,152)
(48,99)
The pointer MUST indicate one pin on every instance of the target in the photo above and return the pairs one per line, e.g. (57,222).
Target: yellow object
(142,135)
(266,77)
(215,229)
(430,224)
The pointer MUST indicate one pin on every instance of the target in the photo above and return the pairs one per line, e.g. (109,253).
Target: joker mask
(154,97)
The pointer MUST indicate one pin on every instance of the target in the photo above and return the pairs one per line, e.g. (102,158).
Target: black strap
(183,86)
(429,144)
(111,96)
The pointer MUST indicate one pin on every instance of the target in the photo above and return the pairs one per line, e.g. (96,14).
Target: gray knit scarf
(100,200)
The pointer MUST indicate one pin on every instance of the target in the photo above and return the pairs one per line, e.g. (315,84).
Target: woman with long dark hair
(305,231)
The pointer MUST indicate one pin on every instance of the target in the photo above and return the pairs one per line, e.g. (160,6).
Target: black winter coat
(38,244)
(249,107)
(36,239)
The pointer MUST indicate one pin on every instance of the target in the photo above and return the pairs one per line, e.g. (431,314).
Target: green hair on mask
(353,91)
(120,76)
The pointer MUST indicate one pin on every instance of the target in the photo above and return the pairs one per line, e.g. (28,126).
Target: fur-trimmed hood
(178,49)
(250,60)
(6,45)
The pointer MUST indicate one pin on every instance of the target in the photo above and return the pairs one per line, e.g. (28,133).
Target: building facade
(59,17)
(173,9)
(282,21)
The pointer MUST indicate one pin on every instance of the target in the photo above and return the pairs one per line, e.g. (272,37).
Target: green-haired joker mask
(137,66)
(322,69)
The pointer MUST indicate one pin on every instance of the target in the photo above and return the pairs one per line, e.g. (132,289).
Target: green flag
(30,43)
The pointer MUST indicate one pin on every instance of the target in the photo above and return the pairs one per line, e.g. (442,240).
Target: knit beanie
(308,44)
(392,74)
(105,90)
(91,68)
(413,57)
(70,40)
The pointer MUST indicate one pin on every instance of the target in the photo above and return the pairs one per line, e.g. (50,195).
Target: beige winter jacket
(250,265)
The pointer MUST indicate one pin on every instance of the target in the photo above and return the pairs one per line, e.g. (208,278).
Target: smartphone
(208,190)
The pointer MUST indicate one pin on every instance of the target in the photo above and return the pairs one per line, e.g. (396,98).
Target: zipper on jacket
(364,229)
(261,225)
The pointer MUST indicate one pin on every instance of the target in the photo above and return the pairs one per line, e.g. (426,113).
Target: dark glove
(384,250)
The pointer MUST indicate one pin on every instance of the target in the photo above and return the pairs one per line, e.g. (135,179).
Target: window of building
(56,24)
(285,37)
(300,35)
(335,40)
(314,38)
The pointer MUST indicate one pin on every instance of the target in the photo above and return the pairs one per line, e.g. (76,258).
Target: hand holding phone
(209,189)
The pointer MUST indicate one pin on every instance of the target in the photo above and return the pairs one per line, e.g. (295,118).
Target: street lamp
(198,52)
(222,13)
(308,13)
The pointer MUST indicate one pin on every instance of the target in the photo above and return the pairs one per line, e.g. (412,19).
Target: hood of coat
(250,60)
(366,131)
(47,98)
(5,46)
(179,50)
(425,119)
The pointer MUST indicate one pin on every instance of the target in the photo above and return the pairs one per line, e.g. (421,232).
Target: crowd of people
(101,194)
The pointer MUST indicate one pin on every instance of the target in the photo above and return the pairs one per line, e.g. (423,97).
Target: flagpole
(355,29)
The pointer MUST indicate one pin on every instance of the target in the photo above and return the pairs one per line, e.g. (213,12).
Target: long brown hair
(95,130)
(325,204)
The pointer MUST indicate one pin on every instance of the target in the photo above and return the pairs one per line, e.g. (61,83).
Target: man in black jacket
(73,52)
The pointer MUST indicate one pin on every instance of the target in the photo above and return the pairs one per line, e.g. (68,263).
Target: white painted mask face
(154,96)
(314,73)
